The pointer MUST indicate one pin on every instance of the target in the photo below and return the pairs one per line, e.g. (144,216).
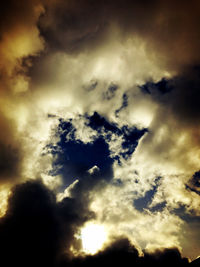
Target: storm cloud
(38,230)
(99,119)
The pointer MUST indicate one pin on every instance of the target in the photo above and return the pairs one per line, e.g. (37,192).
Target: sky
(100,131)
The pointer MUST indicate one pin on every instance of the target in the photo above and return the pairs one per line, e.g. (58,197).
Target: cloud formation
(171,28)
(38,230)
(99,100)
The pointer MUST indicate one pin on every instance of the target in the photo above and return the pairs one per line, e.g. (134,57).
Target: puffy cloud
(19,38)
(114,208)
(122,74)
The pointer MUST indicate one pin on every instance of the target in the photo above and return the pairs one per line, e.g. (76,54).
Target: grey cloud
(171,28)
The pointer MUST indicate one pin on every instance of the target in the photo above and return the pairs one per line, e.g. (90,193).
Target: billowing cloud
(19,39)
(100,102)
(38,230)
(170,27)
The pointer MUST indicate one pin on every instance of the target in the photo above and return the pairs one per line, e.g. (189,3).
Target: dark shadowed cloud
(172,27)
(37,230)
(180,94)
(10,153)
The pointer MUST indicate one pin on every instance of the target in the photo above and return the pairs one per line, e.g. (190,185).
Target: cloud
(121,251)
(29,231)
(20,38)
(38,230)
(124,78)
(110,195)
(172,141)
(171,29)
(10,158)
(114,208)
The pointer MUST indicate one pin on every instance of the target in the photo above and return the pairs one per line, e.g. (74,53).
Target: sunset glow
(93,237)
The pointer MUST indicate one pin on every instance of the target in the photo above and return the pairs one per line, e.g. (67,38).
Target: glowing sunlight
(93,237)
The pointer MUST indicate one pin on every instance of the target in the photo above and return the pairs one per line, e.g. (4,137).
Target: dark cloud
(9,162)
(121,252)
(21,12)
(195,262)
(180,95)
(171,27)
(97,122)
(30,230)
(10,154)
(165,257)
(196,179)
(37,230)
(194,182)
(69,25)
(184,100)
(163,86)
